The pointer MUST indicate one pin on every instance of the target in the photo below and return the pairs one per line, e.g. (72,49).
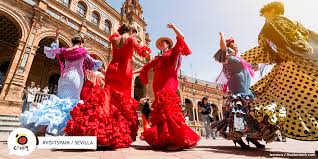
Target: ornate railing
(39,97)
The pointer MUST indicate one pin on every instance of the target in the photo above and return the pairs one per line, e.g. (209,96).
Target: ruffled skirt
(238,122)
(168,125)
(53,113)
(107,114)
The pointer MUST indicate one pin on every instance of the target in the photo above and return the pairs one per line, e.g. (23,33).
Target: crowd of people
(96,102)
(29,94)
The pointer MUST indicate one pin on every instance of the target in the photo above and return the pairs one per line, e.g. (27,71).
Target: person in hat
(236,77)
(168,128)
(111,113)
(52,115)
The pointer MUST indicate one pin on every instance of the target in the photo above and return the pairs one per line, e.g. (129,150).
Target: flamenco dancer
(111,113)
(292,83)
(237,74)
(52,115)
(168,128)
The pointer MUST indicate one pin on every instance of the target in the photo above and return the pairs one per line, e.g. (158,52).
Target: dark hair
(126,29)
(204,98)
(77,40)
(277,6)
(123,29)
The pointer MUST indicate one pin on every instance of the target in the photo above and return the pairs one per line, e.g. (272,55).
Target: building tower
(132,14)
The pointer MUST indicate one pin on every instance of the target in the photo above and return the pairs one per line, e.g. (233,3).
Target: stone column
(149,85)
(193,113)
(17,84)
(12,69)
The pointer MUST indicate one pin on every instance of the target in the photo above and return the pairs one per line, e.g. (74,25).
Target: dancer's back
(119,71)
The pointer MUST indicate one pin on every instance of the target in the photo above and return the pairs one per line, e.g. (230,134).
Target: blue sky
(201,20)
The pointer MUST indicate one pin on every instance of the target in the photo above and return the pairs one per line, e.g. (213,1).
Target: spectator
(146,110)
(205,110)
(1,79)
(186,115)
(216,118)
(24,99)
(46,90)
(38,89)
(215,112)
(31,91)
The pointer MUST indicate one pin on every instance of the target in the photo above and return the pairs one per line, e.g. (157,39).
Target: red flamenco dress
(111,113)
(168,125)
(93,79)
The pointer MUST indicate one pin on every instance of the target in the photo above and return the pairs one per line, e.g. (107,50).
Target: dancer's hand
(137,71)
(175,29)
(143,101)
(170,25)
(221,34)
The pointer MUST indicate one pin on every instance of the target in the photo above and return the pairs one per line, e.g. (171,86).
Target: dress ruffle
(143,51)
(107,114)
(168,125)
(238,121)
(54,113)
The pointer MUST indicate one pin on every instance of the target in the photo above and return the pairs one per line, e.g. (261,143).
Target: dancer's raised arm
(222,41)
(175,29)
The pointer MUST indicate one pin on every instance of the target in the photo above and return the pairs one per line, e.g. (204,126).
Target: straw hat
(158,42)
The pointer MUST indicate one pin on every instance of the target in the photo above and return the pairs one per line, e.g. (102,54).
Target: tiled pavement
(206,149)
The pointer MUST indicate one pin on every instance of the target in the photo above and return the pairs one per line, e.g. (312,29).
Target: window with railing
(107,26)
(65,3)
(81,9)
(32,2)
(95,18)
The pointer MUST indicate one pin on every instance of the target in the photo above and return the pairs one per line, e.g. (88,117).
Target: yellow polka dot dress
(288,95)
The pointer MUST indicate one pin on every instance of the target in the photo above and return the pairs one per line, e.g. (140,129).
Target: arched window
(108,26)
(65,3)
(95,18)
(81,9)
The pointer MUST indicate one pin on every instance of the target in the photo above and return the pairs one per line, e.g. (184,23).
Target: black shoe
(242,144)
(255,142)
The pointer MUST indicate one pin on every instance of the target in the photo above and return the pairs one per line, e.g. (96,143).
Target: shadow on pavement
(146,147)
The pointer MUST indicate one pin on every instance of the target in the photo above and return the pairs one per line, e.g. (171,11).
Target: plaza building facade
(26,26)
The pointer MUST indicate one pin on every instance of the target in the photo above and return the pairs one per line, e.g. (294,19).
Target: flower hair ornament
(229,41)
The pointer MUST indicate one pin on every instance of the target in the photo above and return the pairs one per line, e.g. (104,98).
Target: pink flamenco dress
(111,113)
(168,124)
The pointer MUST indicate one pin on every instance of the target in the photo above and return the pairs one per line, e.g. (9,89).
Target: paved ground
(206,149)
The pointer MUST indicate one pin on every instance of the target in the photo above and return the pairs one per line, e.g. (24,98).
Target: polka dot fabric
(288,95)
